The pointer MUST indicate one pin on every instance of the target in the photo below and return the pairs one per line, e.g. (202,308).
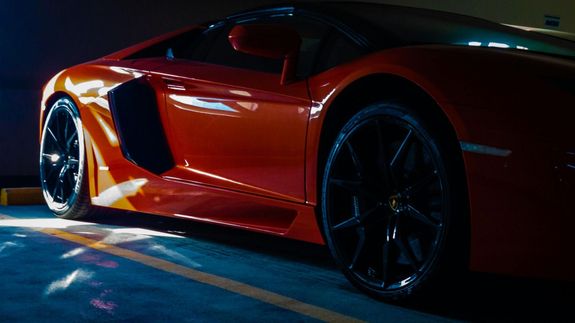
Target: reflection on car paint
(484,150)
(110,196)
(494,44)
(111,134)
(203,103)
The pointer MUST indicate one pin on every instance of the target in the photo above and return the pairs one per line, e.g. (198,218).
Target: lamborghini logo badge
(394,202)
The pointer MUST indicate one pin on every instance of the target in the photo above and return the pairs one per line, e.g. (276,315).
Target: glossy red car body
(246,148)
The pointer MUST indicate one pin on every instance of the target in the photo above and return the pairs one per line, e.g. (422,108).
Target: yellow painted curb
(21,196)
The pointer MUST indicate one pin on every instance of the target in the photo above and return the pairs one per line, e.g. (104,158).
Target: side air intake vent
(142,139)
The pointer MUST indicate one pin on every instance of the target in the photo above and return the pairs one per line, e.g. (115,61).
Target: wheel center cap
(394,203)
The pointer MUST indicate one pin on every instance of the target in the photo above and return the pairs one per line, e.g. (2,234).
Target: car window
(311,32)
(211,45)
(338,49)
(179,45)
(197,48)
(221,52)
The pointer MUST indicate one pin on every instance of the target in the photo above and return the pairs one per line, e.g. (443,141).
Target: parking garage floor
(136,267)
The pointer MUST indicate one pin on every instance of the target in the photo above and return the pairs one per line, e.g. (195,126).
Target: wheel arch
(375,87)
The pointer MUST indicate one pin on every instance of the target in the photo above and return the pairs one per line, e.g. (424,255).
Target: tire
(391,203)
(63,162)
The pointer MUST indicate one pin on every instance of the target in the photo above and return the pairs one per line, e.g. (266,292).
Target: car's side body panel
(520,218)
(118,183)
(236,129)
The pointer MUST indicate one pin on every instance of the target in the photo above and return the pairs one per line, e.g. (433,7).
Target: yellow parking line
(259,294)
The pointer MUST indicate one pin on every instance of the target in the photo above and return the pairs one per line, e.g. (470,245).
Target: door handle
(174,85)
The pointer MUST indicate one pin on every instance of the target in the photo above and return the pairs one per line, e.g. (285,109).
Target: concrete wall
(39,38)
(516,12)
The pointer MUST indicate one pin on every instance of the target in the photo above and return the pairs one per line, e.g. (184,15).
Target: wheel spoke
(425,181)
(357,220)
(349,223)
(363,216)
(419,216)
(66,127)
(60,181)
(63,173)
(408,253)
(387,173)
(385,263)
(62,192)
(350,185)
(354,220)
(382,164)
(52,135)
(55,139)
(71,179)
(55,191)
(390,229)
(402,150)
(406,249)
(57,124)
(47,156)
(50,172)
(355,159)
(358,248)
(354,186)
(71,139)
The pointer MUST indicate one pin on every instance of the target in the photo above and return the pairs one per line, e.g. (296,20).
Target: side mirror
(277,42)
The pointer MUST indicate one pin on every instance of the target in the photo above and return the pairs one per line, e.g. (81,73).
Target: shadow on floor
(480,297)
(489,297)
(300,251)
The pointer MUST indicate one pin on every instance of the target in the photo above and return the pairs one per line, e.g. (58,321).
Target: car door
(231,124)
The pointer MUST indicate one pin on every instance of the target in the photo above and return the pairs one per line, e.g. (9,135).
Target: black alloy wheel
(387,202)
(62,161)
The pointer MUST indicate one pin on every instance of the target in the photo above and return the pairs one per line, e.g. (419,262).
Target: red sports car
(414,143)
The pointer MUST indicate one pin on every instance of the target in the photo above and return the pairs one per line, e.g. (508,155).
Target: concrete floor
(136,267)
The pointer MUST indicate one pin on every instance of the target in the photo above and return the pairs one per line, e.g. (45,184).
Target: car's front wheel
(390,206)
(62,162)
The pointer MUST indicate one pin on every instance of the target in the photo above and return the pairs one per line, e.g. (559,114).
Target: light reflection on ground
(42,223)
(121,234)
(77,276)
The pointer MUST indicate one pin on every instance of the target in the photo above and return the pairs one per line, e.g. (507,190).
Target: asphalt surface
(137,267)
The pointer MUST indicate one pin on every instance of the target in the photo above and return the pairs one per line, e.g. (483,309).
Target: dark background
(39,38)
